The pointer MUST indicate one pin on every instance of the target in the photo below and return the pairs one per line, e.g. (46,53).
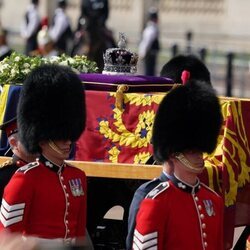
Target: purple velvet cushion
(137,83)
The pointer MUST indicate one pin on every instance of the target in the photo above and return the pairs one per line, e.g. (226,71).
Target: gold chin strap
(188,164)
(54,147)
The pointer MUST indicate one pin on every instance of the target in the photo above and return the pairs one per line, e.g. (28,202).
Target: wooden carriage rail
(113,170)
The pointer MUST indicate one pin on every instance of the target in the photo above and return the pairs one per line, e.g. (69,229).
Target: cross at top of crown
(122,40)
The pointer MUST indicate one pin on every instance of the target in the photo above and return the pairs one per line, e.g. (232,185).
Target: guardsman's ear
(13,141)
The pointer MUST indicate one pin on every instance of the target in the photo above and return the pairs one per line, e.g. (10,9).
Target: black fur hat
(188,118)
(51,106)
(175,66)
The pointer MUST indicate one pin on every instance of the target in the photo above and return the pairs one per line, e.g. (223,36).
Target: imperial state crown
(120,61)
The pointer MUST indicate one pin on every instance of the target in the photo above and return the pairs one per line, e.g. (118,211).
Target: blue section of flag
(10,112)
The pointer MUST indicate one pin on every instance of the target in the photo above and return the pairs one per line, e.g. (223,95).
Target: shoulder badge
(7,163)
(28,167)
(157,190)
(150,185)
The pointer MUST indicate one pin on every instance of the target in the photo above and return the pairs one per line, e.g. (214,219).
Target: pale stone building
(220,23)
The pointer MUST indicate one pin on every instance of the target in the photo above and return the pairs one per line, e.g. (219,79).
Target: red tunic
(45,201)
(176,216)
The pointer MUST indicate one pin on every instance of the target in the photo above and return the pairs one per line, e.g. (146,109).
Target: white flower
(13,72)
(63,63)
(3,67)
(83,69)
(70,60)
(26,71)
(26,65)
(17,59)
(54,59)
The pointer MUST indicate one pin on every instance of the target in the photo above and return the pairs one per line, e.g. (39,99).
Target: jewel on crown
(120,61)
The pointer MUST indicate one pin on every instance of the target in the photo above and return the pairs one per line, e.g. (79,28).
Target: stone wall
(215,23)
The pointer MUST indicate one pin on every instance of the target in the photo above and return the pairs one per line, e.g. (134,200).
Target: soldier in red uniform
(46,199)
(175,69)
(183,213)
(19,158)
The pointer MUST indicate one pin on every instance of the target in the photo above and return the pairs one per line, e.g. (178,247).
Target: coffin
(119,127)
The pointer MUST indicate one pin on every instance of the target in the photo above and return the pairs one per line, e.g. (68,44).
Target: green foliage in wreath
(15,68)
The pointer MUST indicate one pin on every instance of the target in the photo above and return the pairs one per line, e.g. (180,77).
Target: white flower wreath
(16,67)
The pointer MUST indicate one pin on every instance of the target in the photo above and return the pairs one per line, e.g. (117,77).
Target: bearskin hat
(188,118)
(174,67)
(51,106)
